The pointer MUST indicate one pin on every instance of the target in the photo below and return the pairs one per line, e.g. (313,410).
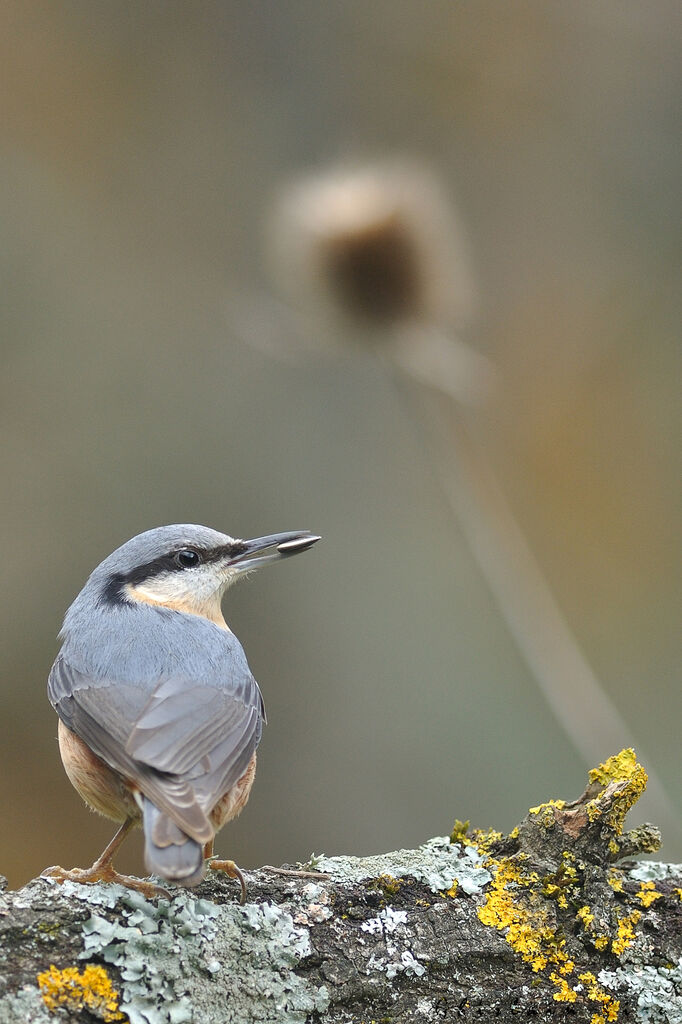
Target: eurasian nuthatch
(159,714)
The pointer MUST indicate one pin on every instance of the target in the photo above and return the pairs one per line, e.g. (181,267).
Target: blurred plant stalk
(530,611)
(374,256)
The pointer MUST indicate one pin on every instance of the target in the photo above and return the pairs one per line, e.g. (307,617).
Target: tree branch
(540,925)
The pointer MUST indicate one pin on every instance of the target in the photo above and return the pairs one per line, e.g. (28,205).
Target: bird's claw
(232,871)
(104,873)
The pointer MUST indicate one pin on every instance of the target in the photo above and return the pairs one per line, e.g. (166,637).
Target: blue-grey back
(141,644)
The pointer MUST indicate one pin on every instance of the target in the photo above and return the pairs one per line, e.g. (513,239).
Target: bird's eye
(186,558)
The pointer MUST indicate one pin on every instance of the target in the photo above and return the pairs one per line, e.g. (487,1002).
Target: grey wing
(184,746)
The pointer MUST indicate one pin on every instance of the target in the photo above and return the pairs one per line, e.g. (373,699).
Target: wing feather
(185,745)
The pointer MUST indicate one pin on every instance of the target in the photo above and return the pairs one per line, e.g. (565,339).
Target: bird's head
(188,568)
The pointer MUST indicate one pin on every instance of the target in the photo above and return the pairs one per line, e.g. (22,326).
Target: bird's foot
(230,869)
(296,872)
(104,873)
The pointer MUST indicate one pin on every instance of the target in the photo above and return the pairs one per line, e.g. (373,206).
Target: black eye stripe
(114,589)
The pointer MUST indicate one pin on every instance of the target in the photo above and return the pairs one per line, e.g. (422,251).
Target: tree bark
(546,924)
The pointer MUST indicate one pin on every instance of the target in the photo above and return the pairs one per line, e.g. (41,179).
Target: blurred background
(153,373)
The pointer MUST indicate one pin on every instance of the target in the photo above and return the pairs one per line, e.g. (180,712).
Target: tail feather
(168,852)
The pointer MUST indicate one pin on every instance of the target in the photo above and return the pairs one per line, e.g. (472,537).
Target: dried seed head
(377,246)
(374,270)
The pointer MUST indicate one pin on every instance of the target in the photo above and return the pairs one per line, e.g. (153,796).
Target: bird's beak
(250,554)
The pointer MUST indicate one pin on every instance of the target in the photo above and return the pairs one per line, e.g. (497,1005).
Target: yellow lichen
(459,833)
(586,916)
(76,990)
(626,933)
(621,768)
(615,879)
(545,812)
(596,994)
(594,990)
(647,894)
(610,1014)
(485,840)
(563,884)
(568,869)
(528,932)
(548,803)
(517,900)
(387,883)
(678,893)
(514,904)
(617,768)
(564,993)
(593,810)
(452,891)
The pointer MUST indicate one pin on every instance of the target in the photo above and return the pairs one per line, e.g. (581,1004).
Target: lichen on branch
(467,927)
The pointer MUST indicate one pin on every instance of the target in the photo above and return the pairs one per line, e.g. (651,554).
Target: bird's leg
(228,866)
(103,870)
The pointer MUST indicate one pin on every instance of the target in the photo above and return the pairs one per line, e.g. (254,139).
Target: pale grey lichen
(25,1005)
(259,958)
(425,1010)
(314,907)
(400,957)
(658,991)
(396,963)
(655,871)
(387,921)
(189,959)
(437,862)
(155,967)
(94,895)
(411,965)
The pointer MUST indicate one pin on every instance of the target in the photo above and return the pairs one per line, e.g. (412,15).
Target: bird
(159,714)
